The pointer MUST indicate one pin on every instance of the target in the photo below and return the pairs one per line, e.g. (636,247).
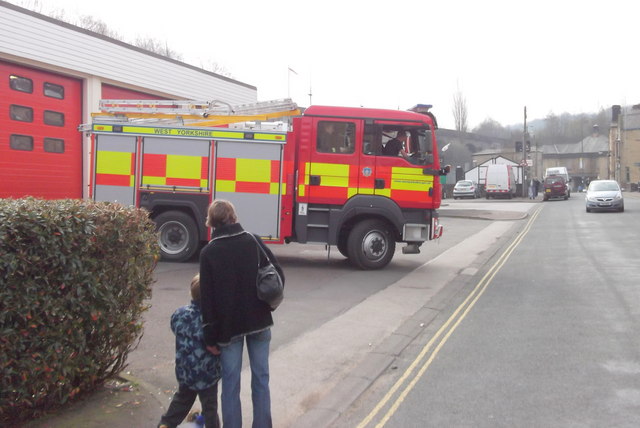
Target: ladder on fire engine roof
(192,113)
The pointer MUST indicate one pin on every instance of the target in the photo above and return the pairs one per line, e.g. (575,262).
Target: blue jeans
(231,363)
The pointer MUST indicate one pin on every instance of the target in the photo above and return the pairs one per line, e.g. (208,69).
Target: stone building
(624,146)
(585,160)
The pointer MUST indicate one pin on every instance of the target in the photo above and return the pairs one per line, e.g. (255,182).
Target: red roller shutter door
(40,146)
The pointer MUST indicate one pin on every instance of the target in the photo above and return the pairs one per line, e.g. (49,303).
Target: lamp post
(524,154)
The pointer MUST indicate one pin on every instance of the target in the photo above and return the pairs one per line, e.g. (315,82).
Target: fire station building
(52,76)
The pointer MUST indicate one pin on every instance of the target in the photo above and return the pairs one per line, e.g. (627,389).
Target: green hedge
(74,277)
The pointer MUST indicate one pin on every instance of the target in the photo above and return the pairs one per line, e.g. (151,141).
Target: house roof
(590,144)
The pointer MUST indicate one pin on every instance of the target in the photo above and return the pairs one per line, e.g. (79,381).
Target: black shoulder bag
(268,282)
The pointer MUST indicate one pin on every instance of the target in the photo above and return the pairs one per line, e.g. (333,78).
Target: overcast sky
(574,56)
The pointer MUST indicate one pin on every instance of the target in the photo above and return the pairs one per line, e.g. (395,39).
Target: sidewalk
(122,402)
(376,329)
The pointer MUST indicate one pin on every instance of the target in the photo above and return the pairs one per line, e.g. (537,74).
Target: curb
(483,214)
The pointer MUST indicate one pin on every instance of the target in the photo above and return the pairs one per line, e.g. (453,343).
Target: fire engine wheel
(177,236)
(370,245)
(343,245)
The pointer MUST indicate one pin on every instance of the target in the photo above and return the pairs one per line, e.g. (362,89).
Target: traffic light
(527,146)
(518,146)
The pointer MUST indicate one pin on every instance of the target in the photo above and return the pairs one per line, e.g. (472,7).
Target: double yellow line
(441,337)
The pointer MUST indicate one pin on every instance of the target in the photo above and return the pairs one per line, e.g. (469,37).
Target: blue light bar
(421,108)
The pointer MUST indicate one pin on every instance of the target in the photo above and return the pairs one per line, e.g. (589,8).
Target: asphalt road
(319,286)
(545,334)
(323,294)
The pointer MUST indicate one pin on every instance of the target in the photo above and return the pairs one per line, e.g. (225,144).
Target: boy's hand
(214,350)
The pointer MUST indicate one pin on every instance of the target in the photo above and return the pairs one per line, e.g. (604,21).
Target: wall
(45,44)
(630,151)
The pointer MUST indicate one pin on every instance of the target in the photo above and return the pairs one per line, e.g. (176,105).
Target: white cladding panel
(37,38)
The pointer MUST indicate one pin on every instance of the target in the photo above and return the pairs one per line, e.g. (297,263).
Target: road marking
(454,319)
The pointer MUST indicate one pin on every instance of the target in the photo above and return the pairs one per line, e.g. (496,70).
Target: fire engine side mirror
(428,159)
(445,170)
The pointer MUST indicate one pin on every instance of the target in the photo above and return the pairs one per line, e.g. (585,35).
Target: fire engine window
(21,84)
(53,145)
(392,143)
(336,137)
(21,142)
(21,113)
(372,139)
(53,118)
(54,91)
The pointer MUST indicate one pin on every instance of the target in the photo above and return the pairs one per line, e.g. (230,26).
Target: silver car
(604,195)
(466,189)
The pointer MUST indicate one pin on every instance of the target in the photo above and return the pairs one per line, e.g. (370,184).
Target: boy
(197,369)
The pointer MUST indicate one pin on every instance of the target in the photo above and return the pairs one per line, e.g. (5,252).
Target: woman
(233,314)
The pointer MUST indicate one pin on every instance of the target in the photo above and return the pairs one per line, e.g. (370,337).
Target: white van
(558,170)
(500,181)
(562,172)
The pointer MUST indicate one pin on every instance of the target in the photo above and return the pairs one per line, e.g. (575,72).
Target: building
(585,160)
(624,146)
(461,150)
(478,173)
(597,156)
(52,76)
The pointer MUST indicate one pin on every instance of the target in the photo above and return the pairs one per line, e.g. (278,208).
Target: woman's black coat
(228,270)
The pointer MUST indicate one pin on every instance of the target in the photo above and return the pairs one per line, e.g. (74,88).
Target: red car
(555,187)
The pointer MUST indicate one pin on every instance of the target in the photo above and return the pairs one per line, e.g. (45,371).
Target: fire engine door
(249,174)
(114,172)
(332,175)
(396,176)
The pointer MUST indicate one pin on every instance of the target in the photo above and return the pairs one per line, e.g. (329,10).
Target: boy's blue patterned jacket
(196,367)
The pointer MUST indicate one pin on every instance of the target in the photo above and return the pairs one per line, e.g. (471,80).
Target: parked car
(604,195)
(466,189)
(555,186)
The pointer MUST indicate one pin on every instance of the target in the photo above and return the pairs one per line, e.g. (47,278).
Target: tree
(215,67)
(492,128)
(157,46)
(100,27)
(460,111)
(569,128)
(97,26)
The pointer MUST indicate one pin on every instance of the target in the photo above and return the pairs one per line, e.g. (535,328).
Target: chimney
(615,112)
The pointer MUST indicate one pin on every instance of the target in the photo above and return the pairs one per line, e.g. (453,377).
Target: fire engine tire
(343,245)
(177,236)
(371,245)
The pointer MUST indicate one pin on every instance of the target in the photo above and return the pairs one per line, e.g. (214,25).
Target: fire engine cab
(356,178)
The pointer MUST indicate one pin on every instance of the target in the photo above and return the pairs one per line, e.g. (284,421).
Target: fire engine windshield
(421,146)
(414,144)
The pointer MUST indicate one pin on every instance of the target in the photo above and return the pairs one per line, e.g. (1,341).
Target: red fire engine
(332,179)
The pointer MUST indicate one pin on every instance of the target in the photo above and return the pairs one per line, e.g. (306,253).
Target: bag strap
(260,249)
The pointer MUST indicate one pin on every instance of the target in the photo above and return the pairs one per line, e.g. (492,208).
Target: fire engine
(327,178)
